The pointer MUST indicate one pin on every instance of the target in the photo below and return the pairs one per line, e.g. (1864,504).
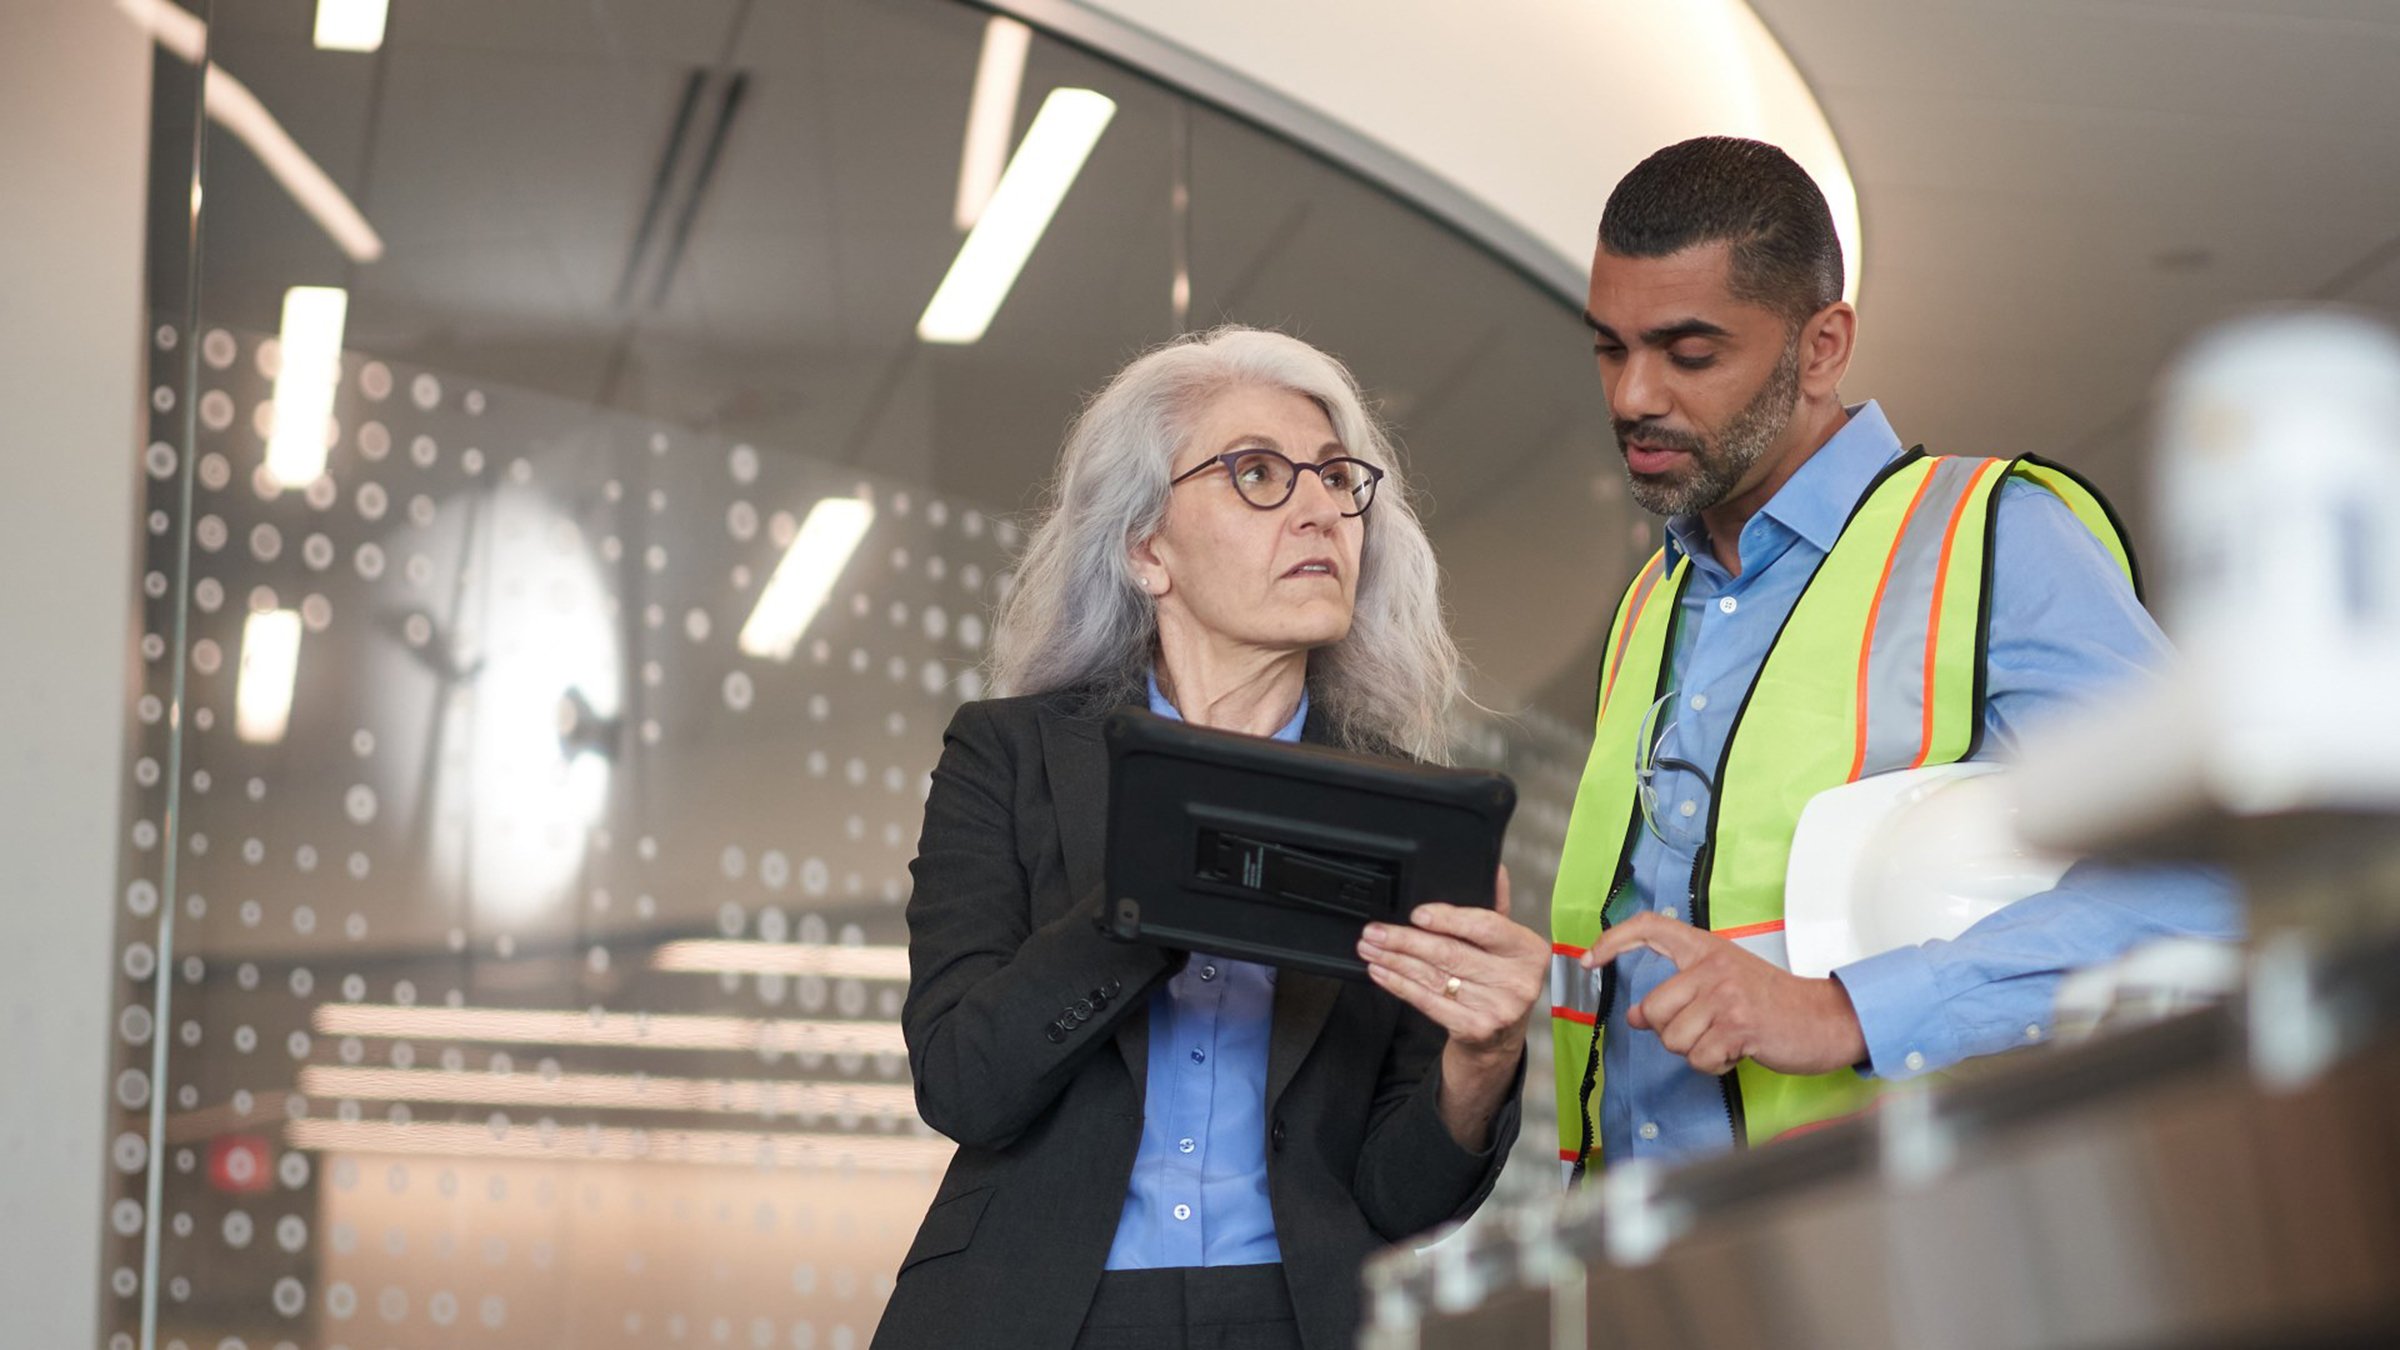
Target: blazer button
(1099,1000)
(1275,1135)
(1110,988)
(1083,1008)
(1054,1033)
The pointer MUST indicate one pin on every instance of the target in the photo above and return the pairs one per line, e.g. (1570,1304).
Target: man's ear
(1827,341)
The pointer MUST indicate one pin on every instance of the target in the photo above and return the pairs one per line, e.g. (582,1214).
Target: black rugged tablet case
(1275,852)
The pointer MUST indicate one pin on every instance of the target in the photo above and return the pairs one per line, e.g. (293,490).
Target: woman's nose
(1312,500)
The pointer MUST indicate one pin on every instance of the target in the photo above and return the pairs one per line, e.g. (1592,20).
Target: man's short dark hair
(1749,194)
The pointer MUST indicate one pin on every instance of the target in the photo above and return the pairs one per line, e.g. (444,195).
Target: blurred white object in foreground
(2278,480)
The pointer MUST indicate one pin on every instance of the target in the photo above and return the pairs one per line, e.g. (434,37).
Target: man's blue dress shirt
(1199,1190)
(2064,625)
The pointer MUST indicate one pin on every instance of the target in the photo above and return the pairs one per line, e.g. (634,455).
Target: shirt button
(1668,910)
(1649,1129)
(2033,1032)
(1183,1212)
(1914,1061)
(1201,1057)
(1208,972)
(1727,605)
(1185,1145)
(1688,809)
(1699,702)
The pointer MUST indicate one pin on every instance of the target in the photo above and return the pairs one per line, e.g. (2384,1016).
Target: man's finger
(1672,996)
(1500,892)
(1715,1053)
(1687,1028)
(1673,939)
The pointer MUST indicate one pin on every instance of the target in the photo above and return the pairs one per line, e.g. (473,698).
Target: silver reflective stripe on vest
(1574,991)
(1903,619)
(1766,943)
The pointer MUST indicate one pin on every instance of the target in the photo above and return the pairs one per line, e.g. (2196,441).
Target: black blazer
(1028,1040)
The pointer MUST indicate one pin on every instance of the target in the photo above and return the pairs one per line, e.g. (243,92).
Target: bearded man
(1827,605)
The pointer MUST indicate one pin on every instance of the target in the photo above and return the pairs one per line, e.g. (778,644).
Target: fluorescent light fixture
(311,345)
(566,1026)
(805,576)
(612,1092)
(1039,174)
(350,25)
(262,697)
(784,958)
(231,104)
(991,115)
(568,1143)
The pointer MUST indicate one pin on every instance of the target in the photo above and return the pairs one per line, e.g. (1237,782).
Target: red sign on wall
(241,1163)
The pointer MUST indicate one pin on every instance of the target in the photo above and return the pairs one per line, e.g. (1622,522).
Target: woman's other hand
(1476,973)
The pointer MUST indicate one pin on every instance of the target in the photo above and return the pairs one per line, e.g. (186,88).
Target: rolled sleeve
(1994,986)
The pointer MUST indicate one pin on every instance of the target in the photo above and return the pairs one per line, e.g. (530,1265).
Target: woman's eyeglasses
(1266,479)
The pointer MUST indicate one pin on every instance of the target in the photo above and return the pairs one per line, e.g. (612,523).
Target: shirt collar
(1815,503)
(1289,732)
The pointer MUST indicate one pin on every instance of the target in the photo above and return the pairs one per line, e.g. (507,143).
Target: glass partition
(520,810)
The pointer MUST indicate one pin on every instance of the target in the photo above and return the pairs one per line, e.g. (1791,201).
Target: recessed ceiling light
(991,115)
(350,25)
(1044,167)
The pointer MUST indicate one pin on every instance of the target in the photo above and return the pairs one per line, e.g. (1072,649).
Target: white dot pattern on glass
(516,661)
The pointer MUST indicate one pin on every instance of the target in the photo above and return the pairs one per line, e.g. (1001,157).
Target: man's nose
(1638,393)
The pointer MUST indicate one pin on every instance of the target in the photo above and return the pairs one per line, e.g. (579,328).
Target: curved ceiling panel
(1531,108)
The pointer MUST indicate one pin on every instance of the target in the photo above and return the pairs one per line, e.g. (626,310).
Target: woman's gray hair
(1075,619)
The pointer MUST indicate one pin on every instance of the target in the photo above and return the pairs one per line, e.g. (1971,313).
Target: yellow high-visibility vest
(1880,667)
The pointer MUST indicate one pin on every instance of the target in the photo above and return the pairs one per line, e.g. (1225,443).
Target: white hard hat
(1904,858)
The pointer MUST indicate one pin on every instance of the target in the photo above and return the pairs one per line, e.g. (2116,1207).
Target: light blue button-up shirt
(2064,625)
(1199,1191)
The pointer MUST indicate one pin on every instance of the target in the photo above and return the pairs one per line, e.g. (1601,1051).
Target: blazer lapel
(1075,759)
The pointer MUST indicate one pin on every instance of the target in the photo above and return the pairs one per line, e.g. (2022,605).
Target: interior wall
(75,99)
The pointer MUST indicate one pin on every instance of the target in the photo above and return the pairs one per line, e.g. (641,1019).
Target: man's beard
(1715,470)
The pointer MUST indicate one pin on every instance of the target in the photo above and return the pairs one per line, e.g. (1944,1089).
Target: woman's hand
(1476,973)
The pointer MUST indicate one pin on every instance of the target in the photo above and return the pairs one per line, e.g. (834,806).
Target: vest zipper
(1729,1083)
(1608,1001)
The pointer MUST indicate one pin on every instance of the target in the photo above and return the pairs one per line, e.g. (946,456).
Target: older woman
(1158,1149)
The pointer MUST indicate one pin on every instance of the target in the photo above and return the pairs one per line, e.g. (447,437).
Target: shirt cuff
(1898,1005)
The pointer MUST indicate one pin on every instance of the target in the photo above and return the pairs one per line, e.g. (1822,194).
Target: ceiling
(2053,195)
(2057,193)
(506,155)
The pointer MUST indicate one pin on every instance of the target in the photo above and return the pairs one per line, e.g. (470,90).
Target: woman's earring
(1145,583)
